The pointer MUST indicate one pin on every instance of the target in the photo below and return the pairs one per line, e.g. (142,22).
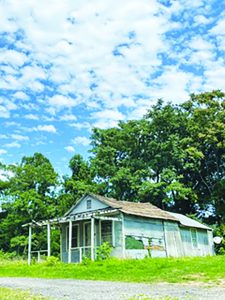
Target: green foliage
(145,297)
(199,269)
(9,294)
(7,256)
(132,243)
(103,251)
(52,261)
(80,182)
(86,261)
(220,231)
(26,194)
(173,157)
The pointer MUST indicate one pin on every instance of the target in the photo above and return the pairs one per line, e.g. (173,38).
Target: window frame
(88,204)
(112,232)
(67,236)
(193,230)
(84,236)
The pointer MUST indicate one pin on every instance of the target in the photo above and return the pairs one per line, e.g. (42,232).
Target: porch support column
(113,233)
(70,241)
(123,236)
(29,244)
(92,238)
(49,238)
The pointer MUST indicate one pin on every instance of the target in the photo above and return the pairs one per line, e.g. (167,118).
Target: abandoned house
(134,230)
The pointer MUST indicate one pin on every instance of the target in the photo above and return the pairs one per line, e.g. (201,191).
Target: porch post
(123,237)
(29,244)
(113,233)
(49,238)
(70,241)
(92,238)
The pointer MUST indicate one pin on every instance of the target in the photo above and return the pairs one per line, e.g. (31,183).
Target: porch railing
(84,252)
(38,252)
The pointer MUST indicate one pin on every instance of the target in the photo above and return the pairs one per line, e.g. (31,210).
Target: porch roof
(76,217)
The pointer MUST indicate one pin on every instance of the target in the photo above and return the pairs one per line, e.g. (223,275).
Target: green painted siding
(147,231)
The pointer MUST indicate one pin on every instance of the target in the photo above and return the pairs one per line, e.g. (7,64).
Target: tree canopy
(173,157)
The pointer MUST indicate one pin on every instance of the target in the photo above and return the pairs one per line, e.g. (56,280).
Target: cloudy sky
(67,66)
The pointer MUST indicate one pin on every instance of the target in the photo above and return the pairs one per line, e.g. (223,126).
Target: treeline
(173,157)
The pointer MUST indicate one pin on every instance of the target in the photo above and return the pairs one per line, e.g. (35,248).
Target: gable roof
(146,210)
(131,208)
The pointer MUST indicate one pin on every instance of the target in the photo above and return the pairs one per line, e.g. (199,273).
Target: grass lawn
(199,269)
(8,294)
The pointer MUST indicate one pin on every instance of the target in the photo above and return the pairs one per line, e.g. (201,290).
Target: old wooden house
(134,230)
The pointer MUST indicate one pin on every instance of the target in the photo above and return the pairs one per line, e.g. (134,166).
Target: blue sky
(68,66)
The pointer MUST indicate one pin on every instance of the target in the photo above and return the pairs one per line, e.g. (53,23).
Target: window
(132,242)
(75,236)
(194,238)
(106,232)
(88,204)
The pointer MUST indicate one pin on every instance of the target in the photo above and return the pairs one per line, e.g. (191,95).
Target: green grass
(8,294)
(199,269)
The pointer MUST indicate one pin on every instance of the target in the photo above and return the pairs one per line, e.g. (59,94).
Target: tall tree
(80,182)
(27,194)
(172,157)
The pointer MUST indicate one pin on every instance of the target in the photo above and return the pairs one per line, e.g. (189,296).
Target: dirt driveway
(60,289)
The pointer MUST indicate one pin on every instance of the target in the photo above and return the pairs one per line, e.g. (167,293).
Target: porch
(80,239)
(81,234)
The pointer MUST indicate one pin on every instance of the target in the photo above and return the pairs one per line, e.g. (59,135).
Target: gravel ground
(60,289)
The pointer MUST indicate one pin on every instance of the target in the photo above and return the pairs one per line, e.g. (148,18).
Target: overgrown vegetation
(200,269)
(8,294)
(173,157)
(145,297)
(103,251)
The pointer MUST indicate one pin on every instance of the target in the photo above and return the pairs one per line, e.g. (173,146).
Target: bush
(103,251)
(51,261)
(7,256)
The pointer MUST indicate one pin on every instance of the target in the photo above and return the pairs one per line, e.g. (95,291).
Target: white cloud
(19,137)
(68,118)
(2,151)
(219,28)
(4,113)
(60,101)
(102,62)
(12,57)
(82,125)
(12,145)
(108,114)
(69,149)
(81,140)
(107,118)
(31,117)
(21,95)
(12,124)
(3,136)
(202,20)
(46,128)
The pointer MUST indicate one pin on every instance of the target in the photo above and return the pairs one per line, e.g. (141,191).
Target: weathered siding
(211,244)
(164,238)
(144,229)
(203,245)
(174,247)
(82,206)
